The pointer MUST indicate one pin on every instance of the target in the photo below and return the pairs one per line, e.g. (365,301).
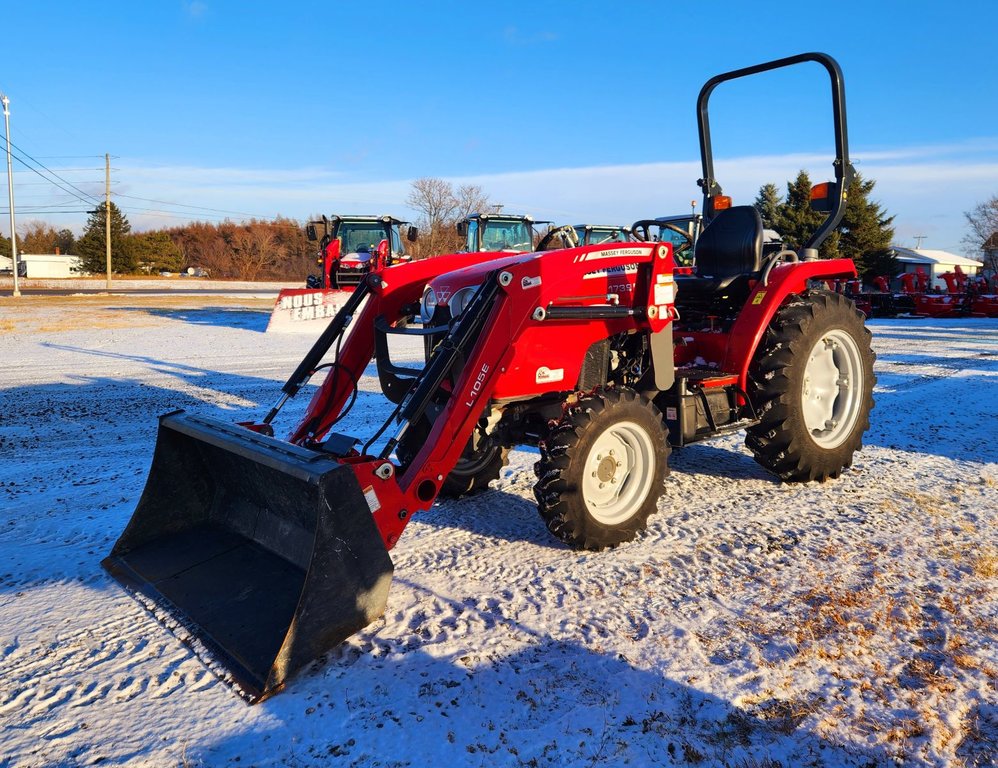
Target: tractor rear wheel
(812,383)
(602,469)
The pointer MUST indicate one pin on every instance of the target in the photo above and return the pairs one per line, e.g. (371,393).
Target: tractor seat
(729,248)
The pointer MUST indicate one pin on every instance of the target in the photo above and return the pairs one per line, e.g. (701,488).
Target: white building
(6,264)
(48,265)
(934,263)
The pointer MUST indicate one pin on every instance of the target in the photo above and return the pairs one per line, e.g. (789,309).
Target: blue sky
(572,111)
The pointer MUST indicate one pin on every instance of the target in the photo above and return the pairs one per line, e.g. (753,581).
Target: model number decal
(476,386)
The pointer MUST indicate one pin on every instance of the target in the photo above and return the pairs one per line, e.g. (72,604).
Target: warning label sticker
(372,499)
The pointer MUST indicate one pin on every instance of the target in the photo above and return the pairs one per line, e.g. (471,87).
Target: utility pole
(107,214)
(10,193)
(919,239)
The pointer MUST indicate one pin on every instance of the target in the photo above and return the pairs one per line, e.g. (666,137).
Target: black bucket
(265,551)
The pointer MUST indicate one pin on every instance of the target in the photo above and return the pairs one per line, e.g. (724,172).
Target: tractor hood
(356,260)
(449,283)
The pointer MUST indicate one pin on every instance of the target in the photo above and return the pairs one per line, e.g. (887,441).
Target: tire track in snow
(115,660)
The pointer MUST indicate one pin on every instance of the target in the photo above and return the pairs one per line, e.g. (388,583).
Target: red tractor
(350,247)
(270,551)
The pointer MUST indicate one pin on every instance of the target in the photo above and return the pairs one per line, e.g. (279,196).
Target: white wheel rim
(619,471)
(831,393)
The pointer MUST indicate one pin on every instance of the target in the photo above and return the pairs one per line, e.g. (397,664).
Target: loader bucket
(265,551)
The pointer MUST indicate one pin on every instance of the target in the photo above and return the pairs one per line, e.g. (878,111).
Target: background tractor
(270,551)
(349,247)
(594,234)
(498,233)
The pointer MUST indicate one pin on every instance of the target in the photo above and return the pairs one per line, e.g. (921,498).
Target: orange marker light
(820,191)
(721,202)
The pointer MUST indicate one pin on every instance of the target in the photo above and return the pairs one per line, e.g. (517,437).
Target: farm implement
(271,551)
(965,295)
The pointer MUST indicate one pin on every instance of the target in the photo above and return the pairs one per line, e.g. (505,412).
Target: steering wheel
(640,229)
(566,233)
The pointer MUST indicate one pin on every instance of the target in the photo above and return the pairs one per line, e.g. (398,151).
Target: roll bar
(842,166)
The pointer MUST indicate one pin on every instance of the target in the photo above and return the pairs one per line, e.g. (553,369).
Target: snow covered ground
(754,624)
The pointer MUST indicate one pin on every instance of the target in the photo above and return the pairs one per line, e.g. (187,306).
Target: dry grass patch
(56,314)
(931,505)
(985,563)
(785,715)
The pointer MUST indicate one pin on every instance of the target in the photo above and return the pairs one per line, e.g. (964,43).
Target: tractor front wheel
(602,469)
(812,383)
(480,463)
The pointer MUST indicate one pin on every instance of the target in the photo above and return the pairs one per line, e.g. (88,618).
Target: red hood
(355,259)
(450,282)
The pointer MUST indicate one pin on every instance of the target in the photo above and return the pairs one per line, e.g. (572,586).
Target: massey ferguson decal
(626,269)
(614,253)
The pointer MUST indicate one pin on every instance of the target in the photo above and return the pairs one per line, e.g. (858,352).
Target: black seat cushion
(730,247)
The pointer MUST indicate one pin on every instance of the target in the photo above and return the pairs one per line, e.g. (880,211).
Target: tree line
(279,250)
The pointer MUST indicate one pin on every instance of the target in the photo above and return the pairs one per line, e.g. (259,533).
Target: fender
(764,301)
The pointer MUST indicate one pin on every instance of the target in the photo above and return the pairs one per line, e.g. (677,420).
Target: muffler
(265,551)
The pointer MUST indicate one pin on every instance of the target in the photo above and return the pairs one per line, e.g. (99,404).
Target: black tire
(812,383)
(476,468)
(575,486)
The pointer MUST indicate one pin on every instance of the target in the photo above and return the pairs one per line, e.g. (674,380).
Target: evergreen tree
(867,231)
(65,241)
(155,251)
(91,245)
(794,219)
(768,204)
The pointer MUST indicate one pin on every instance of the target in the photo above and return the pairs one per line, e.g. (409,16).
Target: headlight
(461,299)
(427,305)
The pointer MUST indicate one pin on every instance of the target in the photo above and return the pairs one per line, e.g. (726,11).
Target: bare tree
(37,237)
(256,250)
(441,208)
(435,200)
(982,239)
(471,199)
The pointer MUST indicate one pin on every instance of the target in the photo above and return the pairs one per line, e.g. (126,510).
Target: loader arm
(388,293)
(482,348)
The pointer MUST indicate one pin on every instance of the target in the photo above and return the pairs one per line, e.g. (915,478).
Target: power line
(83,199)
(165,214)
(185,205)
(87,198)
(49,183)
(22,211)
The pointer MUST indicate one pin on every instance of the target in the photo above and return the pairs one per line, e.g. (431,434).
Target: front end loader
(269,552)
